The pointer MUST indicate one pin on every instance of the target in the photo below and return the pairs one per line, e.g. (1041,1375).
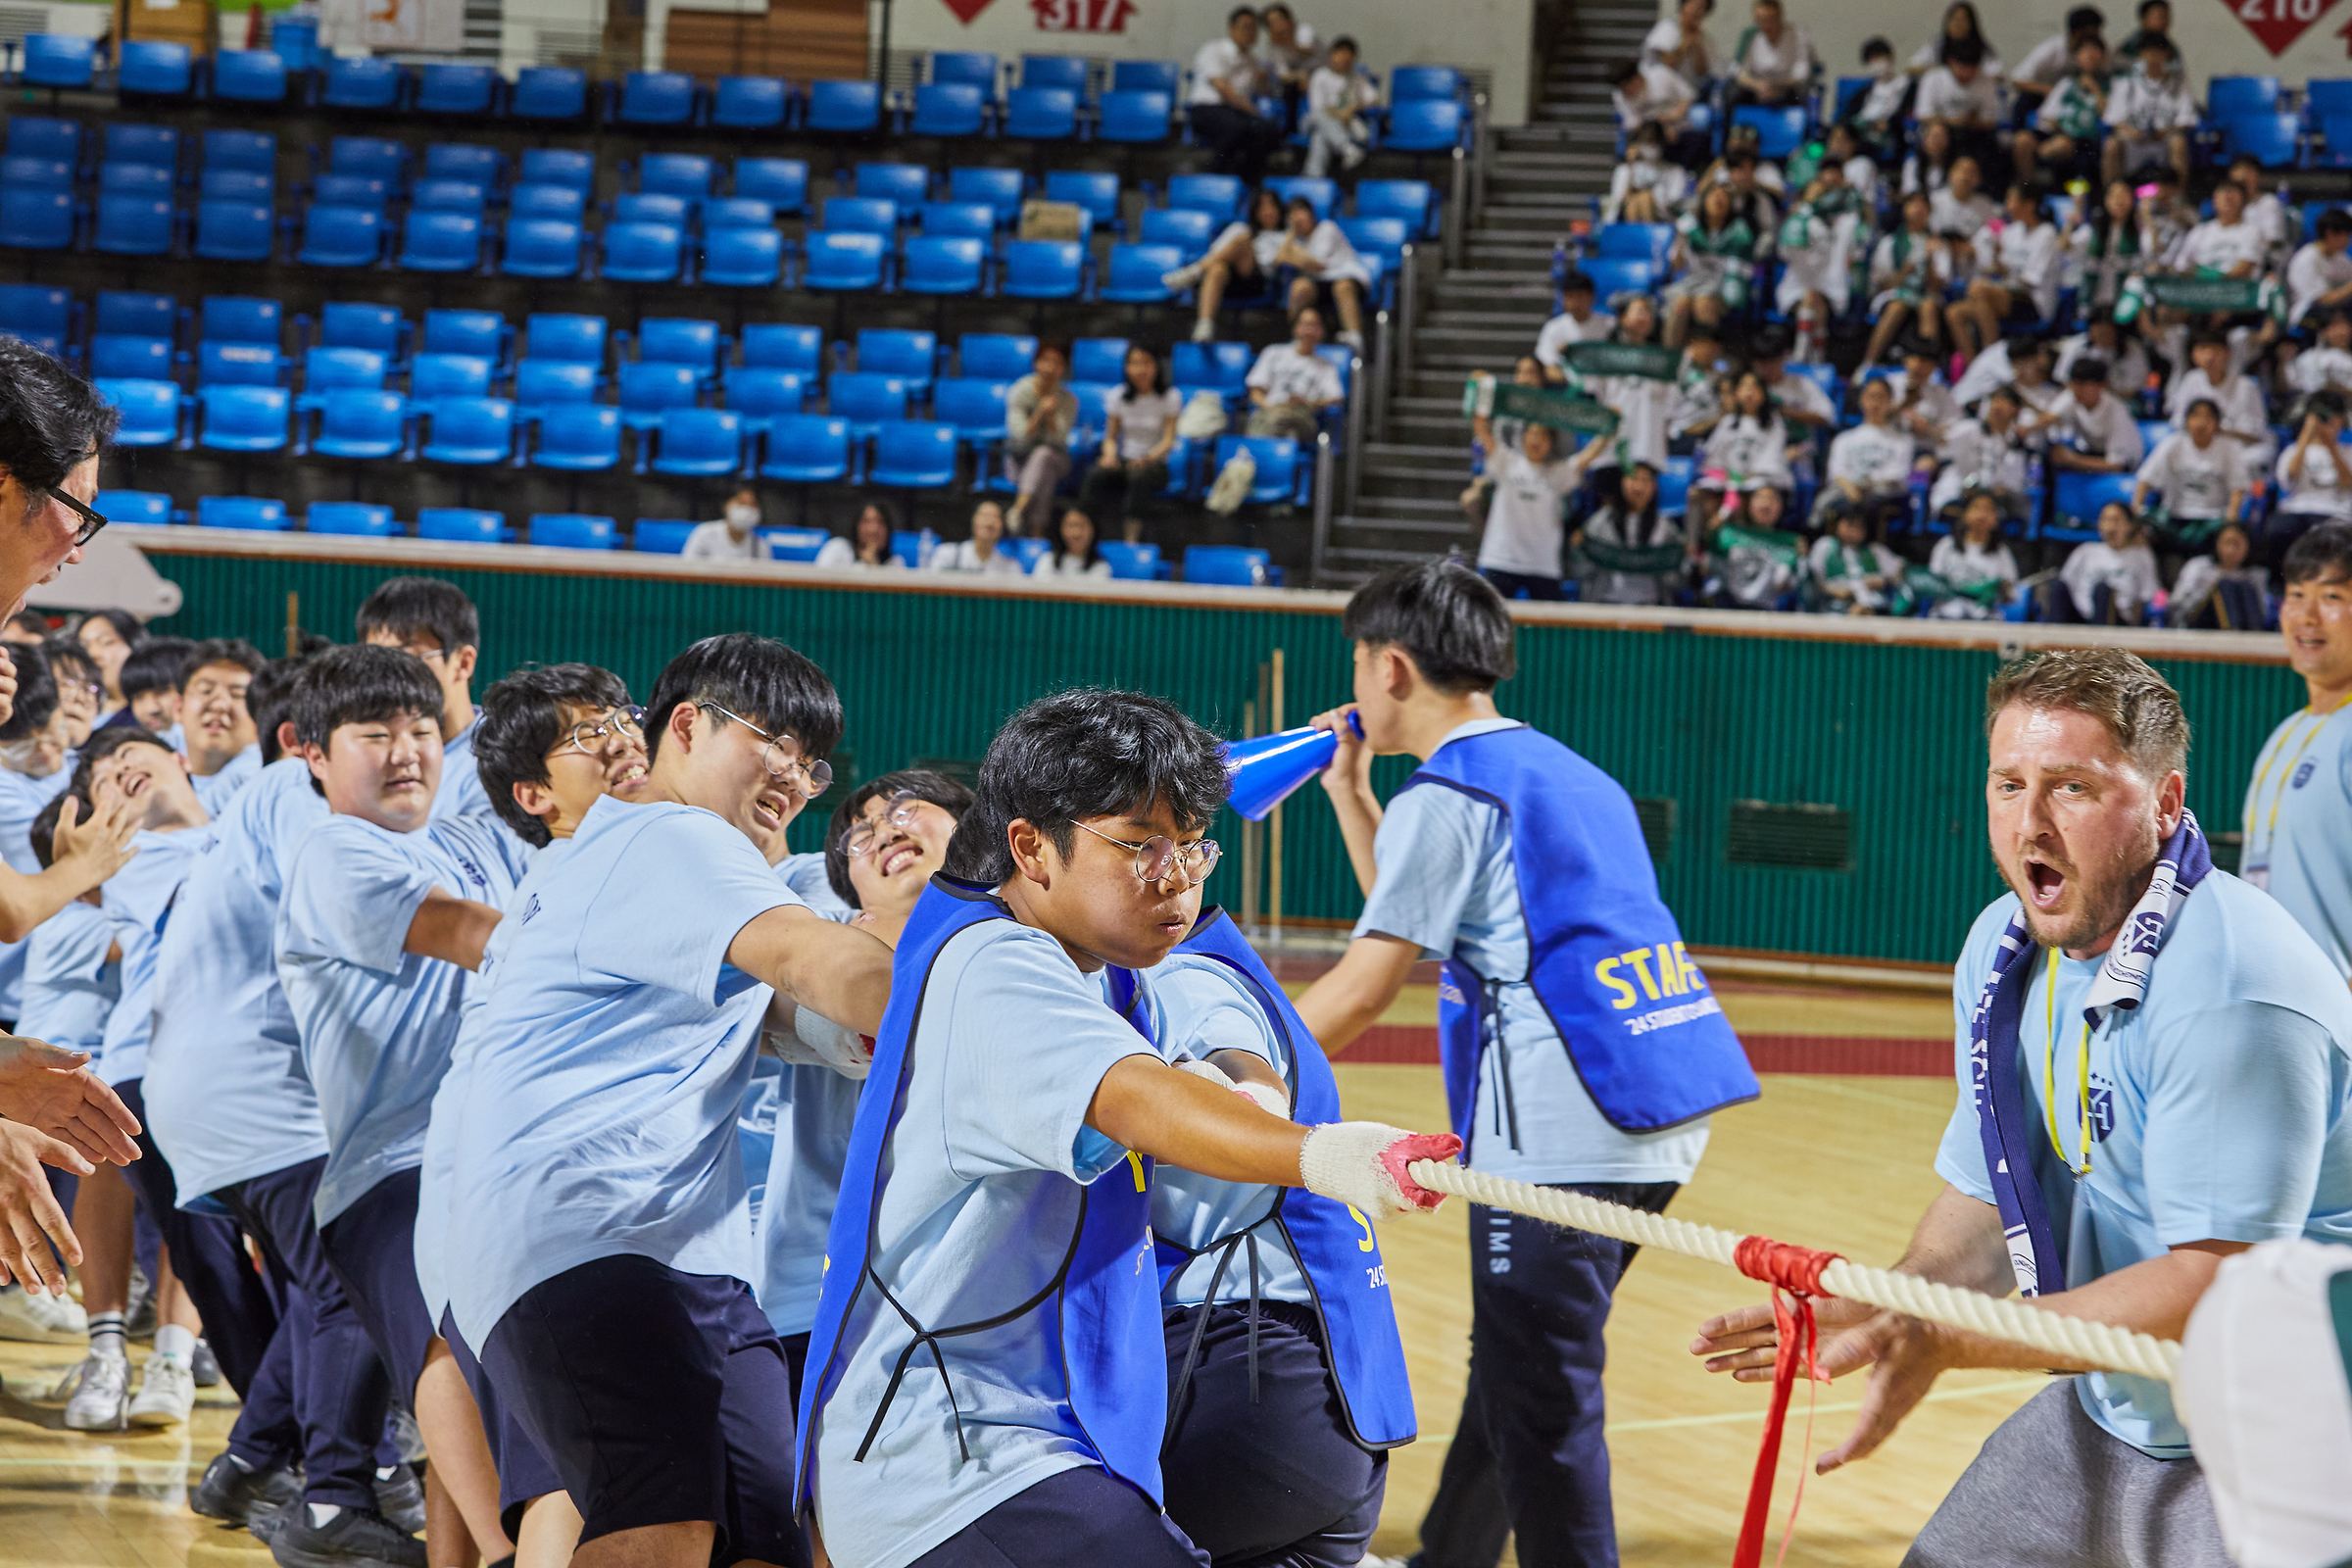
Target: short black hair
(43,831)
(51,419)
(1445,616)
(2323,555)
(2146,6)
(756,677)
(37,695)
(949,795)
(360,683)
(220,651)
(2085,18)
(127,625)
(2208,337)
(153,666)
(105,743)
(2156,40)
(2207,404)
(1237,14)
(270,701)
(2088,367)
(31,622)
(1969,51)
(2336,220)
(1874,47)
(1090,752)
(1576,282)
(523,721)
(1627,71)
(1343,41)
(67,658)
(407,605)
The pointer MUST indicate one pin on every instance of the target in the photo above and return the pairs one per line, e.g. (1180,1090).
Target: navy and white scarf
(2003,1120)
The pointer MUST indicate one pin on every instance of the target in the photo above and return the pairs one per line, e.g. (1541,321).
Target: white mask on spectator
(1882,68)
(1646,152)
(742,519)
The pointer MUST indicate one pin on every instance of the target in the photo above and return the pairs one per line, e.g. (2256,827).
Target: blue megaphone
(1266,768)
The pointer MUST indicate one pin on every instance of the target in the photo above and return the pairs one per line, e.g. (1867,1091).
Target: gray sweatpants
(2051,1488)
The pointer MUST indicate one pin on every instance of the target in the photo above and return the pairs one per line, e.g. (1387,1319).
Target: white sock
(176,1343)
(324,1514)
(106,1335)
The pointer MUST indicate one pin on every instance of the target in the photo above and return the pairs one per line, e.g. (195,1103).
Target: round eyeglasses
(1158,858)
(593,737)
(898,812)
(814,773)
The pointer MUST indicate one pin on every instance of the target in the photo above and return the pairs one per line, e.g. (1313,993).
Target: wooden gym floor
(1835,1159)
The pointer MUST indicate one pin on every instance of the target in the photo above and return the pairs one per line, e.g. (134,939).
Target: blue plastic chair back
(838,261)
(236,185)
(158,68)
(134,226)
(1095,191)
(479,333)
(1041,113)
(1135,271)
(242,418)
(1322,194)
(783,346)
(995,355)
(433,241)
(975,406)
(1144,76)
(370,157)
(897,351)
(359,325)
(1778,132)
(142,145)
(760,395)
(112,357)
(699,443)
(556,166)
(20,172)
(351,518)
(1136,119)
(578,438)
(914,455)
(241,319)
(661,536)
(147,507)
(149,411)
(575,340)
(2227,97)
(336,370)
(862,215)
(1000,188)
(2079,498)
(249,76)
(136,314)
(1431,125)
(549,92)
(750,103)
(368,84)
(295,40)
(352,190)
(843,107)
(795,544)
(657,98)
(683,174)
(2273,140)
(461,525)
(43,316)
(356,423)
(659,208)
(58,60)
(1416,83)
(1218,195)
(470,432)
(943,265)
(571,530)
(948,109)
(434,376)
(252,150)
(1188,230)
(1650,242)
(37,136)
(647,390)
(959,221)
(680,340)
(1041,269)
(1220,368)
(1099,359)
(966,68)
(643,253)
(2326,96)
(220,363)
(742,258)
(1226,565)
(114,180)
(454,89)
(542,247)
(809,449)
(565,204)
(866,398)
(242,511)
(1619,274)
(466,161)
(1383,237)
(782,183)
(1130,563)
(906,186)
(234,231)
(1063,72)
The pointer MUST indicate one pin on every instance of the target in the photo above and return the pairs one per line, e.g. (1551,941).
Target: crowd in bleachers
(1945,338)
(680,394)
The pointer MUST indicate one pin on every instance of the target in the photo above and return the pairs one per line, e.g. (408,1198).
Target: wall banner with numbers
(2278,23)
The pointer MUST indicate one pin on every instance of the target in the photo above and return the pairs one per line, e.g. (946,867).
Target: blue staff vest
(1333,1242)
(1100,1310)
(1644,1031)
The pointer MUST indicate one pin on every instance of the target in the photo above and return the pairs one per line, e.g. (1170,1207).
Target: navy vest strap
(1605,960)
(2006,1130)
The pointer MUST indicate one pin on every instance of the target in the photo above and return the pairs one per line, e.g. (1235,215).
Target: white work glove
(1265,1096)
(1361,1164)
(816,1041)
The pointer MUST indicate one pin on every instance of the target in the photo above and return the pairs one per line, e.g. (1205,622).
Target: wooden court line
(1837,1056)
(1836,1407)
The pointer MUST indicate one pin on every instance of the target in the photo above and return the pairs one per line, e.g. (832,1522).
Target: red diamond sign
(966,10)
(2276,23)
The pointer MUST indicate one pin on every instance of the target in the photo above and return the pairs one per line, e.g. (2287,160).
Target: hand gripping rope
(1798,1276)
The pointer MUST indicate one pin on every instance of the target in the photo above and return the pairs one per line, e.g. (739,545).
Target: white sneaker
(1204,331)
(1185,277)
(1353,340)
(101,1388)
(167,1393)
(41,1319)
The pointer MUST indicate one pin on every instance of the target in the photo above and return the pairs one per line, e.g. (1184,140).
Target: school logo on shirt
(473,872)
(530,911)
(2303,773)
(2102,1109)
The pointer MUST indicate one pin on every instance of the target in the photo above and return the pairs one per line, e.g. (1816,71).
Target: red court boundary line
(1827,1055)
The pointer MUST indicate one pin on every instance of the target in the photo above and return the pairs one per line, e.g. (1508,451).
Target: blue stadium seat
(1098,193)
(566,204)
(1220,368)
(368,157)
(760,396)
(1026,550)
(36,220)
(845,261)
(461,525)
(37,136)
(643,253)
(1322,194)
(948,109)
(659,208)
(114,180)
(742,258)
(782,183)
(995,355)
(558,166)
(688,176)
(1061,72)
(228,364)
(1228,566)
(975,408)
(844,107)
(865,399)
(1383,237)
(680,340)
(1145,76)
(136,314)
(1041,269)
(295,38)
(543,384)
(1135,119)
(548,93)
(241,319)
(43,316)
(359,325)
(156,69)
(960,219)
(2227,97)
(361,426)
(236,185)
(647,391)
(541,247)
(479,333)
(1674,484)
(1135,271)
(147,507)
(914,455)
(571,530)
(2078,500)
(750,103)
(58,60)
(943,265)
(1651,242)
(906,186)
(2273,140)
(862,215)
(1041,113)
(1099,359)
(352,190)
(242,511)
(434,376)
(1130,563)
(149,412)
(249,76)
(128,143)
(661,536)
(783,346)
(440,242)
(1778,132)
(134,226)
(1217,195)
(908,355)
(467,432)
(1412,83)
(368,84)
(577,438)
(113,357)
(999,188)
(234,231)
(966,66)
(467,161)
(350,520)
(327,370)
(570,338)
(807,449)
(1435,125)
(1618,274)
(448,88)
(656,98)
(697,443)
(251,150)
(795,544)
(242,418)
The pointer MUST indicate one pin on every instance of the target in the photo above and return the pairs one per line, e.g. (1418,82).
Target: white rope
(2073,1340)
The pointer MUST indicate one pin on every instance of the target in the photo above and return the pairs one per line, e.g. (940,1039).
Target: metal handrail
(1458,199)
(1408,307)
(1482,153)
(1322,536)
(1384,349)
(1358,395)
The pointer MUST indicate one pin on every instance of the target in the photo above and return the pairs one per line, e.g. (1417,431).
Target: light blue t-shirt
(377,1022)
(21,798)
(1447,882)
(136,901)
(806,876)
(1201,1007)
(816,1110)
(461,792)
(756,1132)
(216,790)
(615,1049)
(2298,827)
(2216,1108)
(983,1196)
(70,984)
(227,1096)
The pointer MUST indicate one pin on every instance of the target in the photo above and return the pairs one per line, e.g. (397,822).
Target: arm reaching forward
(836,970)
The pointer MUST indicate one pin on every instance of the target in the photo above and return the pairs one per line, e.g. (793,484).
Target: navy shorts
(660,1398)
(523,1472)
(1080,1518)
(371,1247)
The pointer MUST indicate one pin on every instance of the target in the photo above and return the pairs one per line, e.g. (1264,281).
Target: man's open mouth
(2044,882)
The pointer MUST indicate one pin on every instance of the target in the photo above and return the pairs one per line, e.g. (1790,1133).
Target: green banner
(1562,411)
(2206,293)
(1650,361)
(1652,562)
(1789,548)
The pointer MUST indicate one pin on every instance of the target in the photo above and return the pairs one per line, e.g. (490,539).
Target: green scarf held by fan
(1562,411)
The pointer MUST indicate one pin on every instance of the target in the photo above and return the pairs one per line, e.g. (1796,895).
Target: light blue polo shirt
(2298,827)
(816,1108)
(461,793)
(378,1022)
(806,876)
(2218,1106)
(21,798)
(70,986)
(1201,1007)
(227,1096)
(1446,881)
(216,790)
(136,902)
(983,1196)
(615,1050)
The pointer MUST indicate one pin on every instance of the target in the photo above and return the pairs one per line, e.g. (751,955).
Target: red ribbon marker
(1794,1275)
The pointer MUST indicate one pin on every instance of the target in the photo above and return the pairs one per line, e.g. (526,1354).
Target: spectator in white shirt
(1286,50)
(1909,269)
(732,537)
(1290,384)
(868,544)
(1318,251)
(1929,165)
(2328,366)
(985,549)
(2198,477)
(1339,96)
(1630,521)
(1774,62)
(2046,63)
(1577,323)
(1974,560)
(1922,404)
(2105,436)
(1964,93)
(1223,106)
(1646,188)
(2127,367)
(1850,572)
(1519,552)
(1799,397)
(1962,208)
(2225,591)
(1138,431)
(2246,417)
(2315,474)
(2149,114)
(2109,582)
(1040,412)
(1877,115)
(1074,552)
(1249,250)
(1746,451)
(1679,43)
(2225,245)
(2263,209)
(1960,26)
(2320,276)
(2017,275)
(1986,454)
(1870,465)
(1650,95)
(2068,123)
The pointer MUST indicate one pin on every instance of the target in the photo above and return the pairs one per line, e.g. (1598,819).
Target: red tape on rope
(1794,1275)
